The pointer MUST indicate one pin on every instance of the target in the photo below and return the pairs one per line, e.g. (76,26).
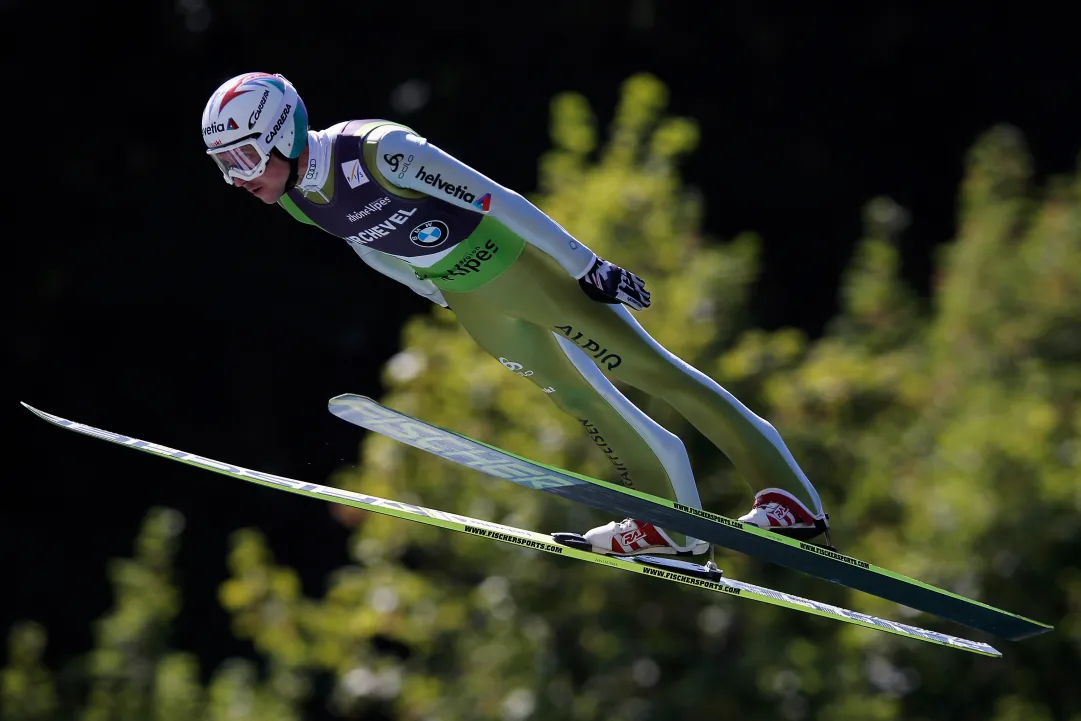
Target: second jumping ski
(720,530)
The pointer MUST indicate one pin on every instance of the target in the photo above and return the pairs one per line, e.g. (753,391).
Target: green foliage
(132,673)
(941,432)
(27,688)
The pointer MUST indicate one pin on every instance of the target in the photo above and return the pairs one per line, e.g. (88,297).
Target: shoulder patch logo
(353,173)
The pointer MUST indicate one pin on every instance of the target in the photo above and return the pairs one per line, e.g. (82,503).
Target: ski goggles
(245,160)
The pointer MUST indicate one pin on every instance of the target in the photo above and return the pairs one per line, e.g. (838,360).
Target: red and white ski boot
(632,538)
(781,512)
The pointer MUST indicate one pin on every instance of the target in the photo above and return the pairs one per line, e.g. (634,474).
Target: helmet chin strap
(294,174)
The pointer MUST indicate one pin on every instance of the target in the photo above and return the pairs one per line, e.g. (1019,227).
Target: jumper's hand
(608,283)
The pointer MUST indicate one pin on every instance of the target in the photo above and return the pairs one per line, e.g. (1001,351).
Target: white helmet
(250,116)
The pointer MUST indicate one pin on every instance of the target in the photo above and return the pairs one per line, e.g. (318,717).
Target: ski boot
(781,512)
(632,538)
(644,544)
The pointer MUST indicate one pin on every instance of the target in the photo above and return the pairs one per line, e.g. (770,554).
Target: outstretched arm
(409,161)
(432,171)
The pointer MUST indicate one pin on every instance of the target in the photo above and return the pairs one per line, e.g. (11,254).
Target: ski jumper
(509,273)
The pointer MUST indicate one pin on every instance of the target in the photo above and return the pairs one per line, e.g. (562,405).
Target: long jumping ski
(666,569)
(726,532)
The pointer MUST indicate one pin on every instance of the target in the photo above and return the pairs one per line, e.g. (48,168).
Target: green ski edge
(519,537)
(726,532)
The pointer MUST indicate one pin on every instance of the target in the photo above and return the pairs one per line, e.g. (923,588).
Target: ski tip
(343,397)
(40,414)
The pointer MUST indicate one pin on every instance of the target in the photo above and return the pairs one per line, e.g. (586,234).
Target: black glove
(608,283)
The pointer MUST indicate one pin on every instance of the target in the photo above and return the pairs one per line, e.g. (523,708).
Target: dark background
(153,300)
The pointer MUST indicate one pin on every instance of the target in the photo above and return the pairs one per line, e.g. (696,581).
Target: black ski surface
(731,534)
